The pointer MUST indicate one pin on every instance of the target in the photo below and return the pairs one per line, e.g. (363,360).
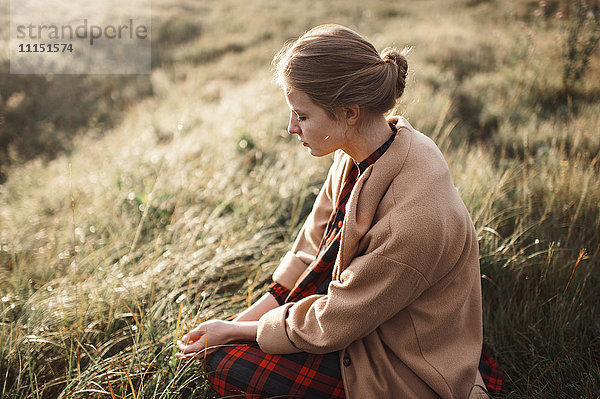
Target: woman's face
(313,126)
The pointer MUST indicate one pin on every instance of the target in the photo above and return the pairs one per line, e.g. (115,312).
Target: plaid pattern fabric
(490,372)
(279,292)
(246,371)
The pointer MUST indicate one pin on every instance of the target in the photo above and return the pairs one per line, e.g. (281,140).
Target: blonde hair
(336,66)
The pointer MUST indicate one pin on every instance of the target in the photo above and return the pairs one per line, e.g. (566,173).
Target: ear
(352,114)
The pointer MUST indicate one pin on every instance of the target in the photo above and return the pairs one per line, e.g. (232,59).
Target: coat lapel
(368,192)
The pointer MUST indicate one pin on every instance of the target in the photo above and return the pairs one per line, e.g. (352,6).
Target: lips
(302,141)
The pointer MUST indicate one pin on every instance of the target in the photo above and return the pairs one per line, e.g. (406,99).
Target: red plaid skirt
(246,371)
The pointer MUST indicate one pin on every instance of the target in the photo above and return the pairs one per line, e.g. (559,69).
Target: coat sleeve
(305,247)
(370,291)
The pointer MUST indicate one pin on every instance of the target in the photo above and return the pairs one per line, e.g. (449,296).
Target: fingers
(196,346)
(194,355)
(193,335)
(188,356)
(195,350)
(192,344)
(195,343)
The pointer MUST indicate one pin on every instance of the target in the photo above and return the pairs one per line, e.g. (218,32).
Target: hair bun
(336,67)
(392,55)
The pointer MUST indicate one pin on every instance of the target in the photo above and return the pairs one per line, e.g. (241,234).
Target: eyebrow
(298,111)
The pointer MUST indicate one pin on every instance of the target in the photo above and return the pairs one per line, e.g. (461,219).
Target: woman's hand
(203,337)
(212,333)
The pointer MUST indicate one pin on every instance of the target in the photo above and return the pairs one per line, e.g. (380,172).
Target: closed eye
(299,117)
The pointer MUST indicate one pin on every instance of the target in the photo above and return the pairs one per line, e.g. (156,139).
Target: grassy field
(133,207)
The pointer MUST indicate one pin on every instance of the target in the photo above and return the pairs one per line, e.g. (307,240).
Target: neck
(363,140)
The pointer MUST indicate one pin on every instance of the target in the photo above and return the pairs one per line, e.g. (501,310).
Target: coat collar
(368,192)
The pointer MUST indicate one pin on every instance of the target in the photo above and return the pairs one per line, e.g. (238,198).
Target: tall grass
(181,211)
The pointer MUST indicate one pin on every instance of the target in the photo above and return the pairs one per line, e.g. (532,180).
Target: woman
(380,295)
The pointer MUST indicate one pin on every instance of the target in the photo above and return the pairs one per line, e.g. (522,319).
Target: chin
(317,153)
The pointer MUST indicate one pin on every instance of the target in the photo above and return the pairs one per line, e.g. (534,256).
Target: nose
(293,127)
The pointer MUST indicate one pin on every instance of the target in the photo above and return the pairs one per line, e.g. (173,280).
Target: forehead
(297,100)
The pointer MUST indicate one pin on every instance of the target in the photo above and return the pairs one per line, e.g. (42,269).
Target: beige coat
(404,304)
